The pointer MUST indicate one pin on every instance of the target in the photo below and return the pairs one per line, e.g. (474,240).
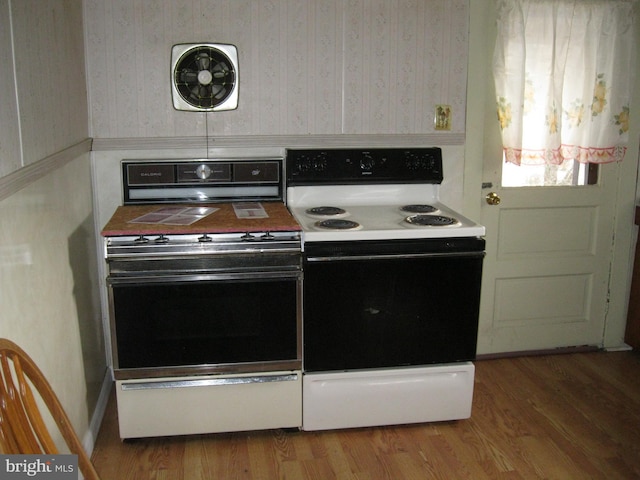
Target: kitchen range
(391,288)
(328,289)
(204,285)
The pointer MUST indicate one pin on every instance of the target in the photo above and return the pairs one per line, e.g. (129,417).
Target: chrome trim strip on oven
(182,278)
(202,193)
(200,371)
(200,250)
(210,382)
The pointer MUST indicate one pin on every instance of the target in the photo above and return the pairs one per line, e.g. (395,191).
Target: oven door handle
(204,277)
(393,256)
(209,382)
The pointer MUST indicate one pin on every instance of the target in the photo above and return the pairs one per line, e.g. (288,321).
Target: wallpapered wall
(49,297)
(306,67)
(46,84)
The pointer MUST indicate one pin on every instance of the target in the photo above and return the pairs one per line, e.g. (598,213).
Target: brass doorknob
(493,198)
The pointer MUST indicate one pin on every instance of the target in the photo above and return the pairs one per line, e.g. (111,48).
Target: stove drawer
(209,404)
(387,397)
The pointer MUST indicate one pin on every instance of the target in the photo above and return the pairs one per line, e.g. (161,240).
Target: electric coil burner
(419,208)
(326,211)
(424,220)
(403,272)
(337,224)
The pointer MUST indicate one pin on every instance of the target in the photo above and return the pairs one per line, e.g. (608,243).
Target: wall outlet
(442,118)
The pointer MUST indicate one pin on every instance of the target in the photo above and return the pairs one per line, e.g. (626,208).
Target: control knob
(366,162)
(203,171)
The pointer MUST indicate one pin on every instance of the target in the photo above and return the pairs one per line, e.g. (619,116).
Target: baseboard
(534,353)
(619,348)
(89,440)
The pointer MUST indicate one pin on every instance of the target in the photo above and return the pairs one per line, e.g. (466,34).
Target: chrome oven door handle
(209,382)
(191,277)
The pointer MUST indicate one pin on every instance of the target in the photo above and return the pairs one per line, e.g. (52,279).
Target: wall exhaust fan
(204,77)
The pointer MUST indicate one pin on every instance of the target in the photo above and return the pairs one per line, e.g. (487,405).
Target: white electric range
(391,288)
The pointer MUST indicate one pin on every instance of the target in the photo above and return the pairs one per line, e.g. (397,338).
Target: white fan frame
(230,51)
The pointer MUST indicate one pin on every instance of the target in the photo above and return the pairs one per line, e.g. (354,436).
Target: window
(569,173)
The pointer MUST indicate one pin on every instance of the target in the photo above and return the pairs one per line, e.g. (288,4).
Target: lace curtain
(563,72)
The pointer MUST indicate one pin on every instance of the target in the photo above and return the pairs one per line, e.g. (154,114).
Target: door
(546,274)
(367,307)
(170,324)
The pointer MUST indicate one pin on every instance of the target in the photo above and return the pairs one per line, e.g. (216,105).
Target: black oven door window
(205,323)
(374,313)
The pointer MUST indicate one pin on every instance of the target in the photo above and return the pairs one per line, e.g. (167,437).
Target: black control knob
(320,163)
(367,162)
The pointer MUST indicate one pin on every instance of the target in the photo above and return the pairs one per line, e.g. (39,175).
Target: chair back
(22,427)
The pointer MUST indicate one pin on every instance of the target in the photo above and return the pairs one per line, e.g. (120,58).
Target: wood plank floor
(572,416)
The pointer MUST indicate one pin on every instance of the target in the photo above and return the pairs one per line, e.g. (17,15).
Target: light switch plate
(442,117)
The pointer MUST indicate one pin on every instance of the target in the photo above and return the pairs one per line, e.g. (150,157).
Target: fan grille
(205,78)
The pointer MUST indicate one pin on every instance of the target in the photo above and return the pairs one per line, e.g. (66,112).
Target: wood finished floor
(573,416)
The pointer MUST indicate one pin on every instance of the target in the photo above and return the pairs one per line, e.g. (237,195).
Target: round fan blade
(220,70)
(199,92)
(215,89)
(221,92)
(188,76)
(203,60)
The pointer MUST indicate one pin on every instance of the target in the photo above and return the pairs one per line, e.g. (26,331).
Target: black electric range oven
(391,288)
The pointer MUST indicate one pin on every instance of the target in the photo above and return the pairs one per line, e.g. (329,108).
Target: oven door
(183,324)
(373,304)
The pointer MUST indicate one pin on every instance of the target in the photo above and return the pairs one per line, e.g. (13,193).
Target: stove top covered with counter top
(223,219)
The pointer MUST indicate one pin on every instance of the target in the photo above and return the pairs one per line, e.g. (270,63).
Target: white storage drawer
(208,404)
(387,397)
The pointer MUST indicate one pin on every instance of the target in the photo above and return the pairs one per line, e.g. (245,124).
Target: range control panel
(198,172)
(364,166)
(201,181)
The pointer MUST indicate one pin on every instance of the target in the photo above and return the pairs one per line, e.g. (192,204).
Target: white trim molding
(91,435)
(25,176)
(299,141)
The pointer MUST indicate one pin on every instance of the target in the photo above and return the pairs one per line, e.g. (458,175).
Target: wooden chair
(22,428)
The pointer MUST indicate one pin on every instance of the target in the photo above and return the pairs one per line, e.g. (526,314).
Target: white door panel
(546,231)
(546,272)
